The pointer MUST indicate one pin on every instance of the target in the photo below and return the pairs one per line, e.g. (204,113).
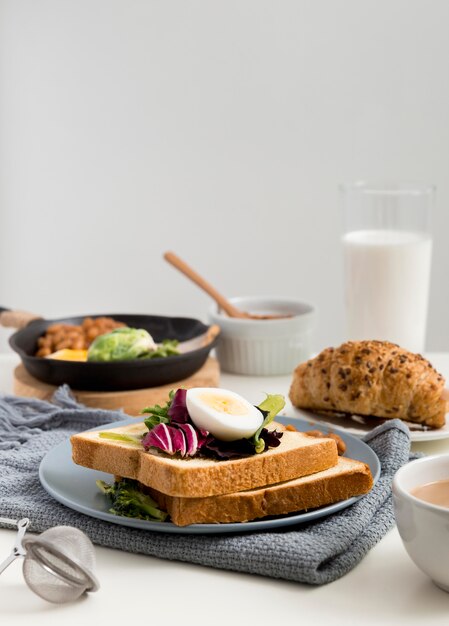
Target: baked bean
(341,446)
(43,352)
(59,336)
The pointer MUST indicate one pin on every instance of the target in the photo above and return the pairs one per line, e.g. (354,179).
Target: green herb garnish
(158,414)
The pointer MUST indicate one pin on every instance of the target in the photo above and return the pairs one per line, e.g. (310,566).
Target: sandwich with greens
(210,456)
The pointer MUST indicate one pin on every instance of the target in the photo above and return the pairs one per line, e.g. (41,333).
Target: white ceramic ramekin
(424,527)
(264,347)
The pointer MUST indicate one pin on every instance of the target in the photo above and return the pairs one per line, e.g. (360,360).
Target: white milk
(387,286)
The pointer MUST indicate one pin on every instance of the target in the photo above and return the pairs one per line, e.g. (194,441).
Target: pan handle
(16,319)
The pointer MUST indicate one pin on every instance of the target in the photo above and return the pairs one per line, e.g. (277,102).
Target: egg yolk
(66,354)
(230,406)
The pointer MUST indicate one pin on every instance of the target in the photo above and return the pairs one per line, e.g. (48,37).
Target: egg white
(225,414)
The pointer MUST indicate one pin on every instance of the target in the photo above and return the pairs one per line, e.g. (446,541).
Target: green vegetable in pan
(167,348)
(122,344)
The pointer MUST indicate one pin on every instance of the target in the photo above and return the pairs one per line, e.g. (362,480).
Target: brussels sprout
(122,344)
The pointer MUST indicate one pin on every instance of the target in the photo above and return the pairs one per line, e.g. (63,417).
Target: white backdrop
(219,130)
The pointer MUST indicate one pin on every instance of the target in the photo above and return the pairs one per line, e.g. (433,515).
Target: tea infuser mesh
(58,564)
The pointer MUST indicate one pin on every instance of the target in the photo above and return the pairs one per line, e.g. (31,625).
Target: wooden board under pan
(132,402)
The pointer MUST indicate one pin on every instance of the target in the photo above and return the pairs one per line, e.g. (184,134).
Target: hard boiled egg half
(225,414)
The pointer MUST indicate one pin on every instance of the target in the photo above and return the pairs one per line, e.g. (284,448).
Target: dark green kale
(129,500)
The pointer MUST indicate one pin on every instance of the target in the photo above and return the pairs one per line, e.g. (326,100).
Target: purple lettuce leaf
(272,438)
(177,411)
(227,450)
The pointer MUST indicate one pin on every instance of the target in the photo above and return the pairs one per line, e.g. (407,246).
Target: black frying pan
(119,375)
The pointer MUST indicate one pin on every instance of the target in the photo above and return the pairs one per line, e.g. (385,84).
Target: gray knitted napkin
(316,553)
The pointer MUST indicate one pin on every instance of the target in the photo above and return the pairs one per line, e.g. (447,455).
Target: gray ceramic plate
(359,425)
(74,486)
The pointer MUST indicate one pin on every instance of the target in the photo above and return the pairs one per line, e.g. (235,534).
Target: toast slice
(346,479)
(297,455)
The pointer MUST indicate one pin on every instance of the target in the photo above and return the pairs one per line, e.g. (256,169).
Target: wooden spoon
(222,302)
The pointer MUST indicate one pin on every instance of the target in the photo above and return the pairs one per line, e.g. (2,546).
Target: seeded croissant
(375,378)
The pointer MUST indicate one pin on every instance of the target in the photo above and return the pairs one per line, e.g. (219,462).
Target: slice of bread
(297,455)
(346,479)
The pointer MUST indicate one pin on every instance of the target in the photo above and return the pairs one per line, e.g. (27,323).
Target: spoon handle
(185,269)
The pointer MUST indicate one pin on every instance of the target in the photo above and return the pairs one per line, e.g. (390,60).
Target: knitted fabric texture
(316,553)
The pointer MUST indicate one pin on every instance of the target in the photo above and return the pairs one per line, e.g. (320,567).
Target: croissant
(371,378)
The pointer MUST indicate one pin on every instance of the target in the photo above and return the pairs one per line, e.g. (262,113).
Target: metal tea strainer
(58,564)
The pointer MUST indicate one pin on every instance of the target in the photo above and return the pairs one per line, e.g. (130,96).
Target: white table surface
(385,588)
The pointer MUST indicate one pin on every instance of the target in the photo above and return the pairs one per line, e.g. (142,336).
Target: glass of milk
(387,253)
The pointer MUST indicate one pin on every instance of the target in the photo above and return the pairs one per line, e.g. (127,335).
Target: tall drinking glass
(387,252)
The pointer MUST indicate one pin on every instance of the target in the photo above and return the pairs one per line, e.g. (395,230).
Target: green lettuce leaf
(120,437)
(270,407)
(158,414)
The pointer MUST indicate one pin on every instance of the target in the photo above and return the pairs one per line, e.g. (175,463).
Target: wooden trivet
(132,402)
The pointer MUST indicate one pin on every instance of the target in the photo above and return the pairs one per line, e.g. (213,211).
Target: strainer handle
(12,557)
(18,549)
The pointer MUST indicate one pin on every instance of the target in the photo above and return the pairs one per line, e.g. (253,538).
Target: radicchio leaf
(183,439)
(159,437)
(190,434)
(179,440)
(177,411)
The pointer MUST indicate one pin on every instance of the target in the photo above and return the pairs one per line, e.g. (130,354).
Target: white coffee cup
(424,527)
